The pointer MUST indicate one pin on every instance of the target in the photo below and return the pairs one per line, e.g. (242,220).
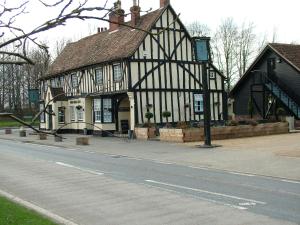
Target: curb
(44,212)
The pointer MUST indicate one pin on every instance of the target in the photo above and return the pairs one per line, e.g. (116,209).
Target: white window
(42,115)
(198,103)
(72,113)
(117,72)
(61,81)
(80,114)
(74,79)
(107,110)
(53,83)
(97,110)
(99,76)
(212,74)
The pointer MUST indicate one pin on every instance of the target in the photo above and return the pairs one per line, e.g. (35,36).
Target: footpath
(274,156)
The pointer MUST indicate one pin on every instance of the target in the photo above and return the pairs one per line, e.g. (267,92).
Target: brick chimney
(164,3)
(116,17)
(135,13)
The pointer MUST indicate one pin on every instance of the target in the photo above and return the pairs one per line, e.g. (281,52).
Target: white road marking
(36,208)
(79,168)
(207,192)
(291,181)
(243,174)
(202,198)
(247,203)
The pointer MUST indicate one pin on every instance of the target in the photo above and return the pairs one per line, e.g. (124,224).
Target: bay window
(103,112)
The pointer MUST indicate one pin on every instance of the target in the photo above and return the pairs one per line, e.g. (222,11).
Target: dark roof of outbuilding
(104,47)
(288,52)
(58,94)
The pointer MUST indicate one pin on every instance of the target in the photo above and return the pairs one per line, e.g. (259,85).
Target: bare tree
(197,29)
(245,48)
(224,44)
(59,46)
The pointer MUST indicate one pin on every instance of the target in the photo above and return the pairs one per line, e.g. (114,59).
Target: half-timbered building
(108,81)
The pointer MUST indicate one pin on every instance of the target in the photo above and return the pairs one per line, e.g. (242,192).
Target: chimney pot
(116,17)
(135,14)
(164,3)
(98,29)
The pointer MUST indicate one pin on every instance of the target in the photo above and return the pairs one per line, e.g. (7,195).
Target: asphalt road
(272,197)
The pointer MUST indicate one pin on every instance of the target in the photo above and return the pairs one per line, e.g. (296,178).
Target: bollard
(42,136)
(82,141)
(58,139)
(8,131)
(22,133)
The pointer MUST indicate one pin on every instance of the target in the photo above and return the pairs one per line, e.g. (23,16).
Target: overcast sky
(267,15)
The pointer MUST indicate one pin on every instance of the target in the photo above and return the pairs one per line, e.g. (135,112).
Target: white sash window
(107,110)
(97,110)
(198,103)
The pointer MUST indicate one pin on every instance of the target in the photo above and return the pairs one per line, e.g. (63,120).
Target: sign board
(202,49)
(33,95)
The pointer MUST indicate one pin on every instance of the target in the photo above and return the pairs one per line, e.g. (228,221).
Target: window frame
(97,113)
(120,75)
(79,114)
(107,110)
(72,113)
(61,109)
(74,75)
(61,81)
(212,74)
(97,82)
(200,106)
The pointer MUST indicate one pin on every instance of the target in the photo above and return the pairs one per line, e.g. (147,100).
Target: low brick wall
(144,133)
(220,133)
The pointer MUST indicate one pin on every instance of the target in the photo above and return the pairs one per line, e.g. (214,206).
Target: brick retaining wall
(220,133)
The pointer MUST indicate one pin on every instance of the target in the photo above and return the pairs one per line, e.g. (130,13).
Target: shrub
(149,116)
(280,112)
(232,123)
(166,114)
(252,122)
(182,125)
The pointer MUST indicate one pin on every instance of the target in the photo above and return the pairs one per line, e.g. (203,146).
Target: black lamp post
(202,53)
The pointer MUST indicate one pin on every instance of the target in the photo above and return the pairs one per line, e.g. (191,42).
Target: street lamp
(202,53)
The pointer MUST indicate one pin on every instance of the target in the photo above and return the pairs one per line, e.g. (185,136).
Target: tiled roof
(289,52)
(103,47)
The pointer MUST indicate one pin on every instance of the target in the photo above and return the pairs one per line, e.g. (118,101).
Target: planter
(42,136)
(58,139)
(221,133)
(82,141)
(145,133)
(22,133)
(8,131)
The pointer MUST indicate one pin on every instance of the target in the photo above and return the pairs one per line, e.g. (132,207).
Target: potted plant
(150,129)
(281,114)
(166,114)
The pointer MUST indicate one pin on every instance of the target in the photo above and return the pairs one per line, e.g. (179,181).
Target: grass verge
(12,123)
(14,214)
